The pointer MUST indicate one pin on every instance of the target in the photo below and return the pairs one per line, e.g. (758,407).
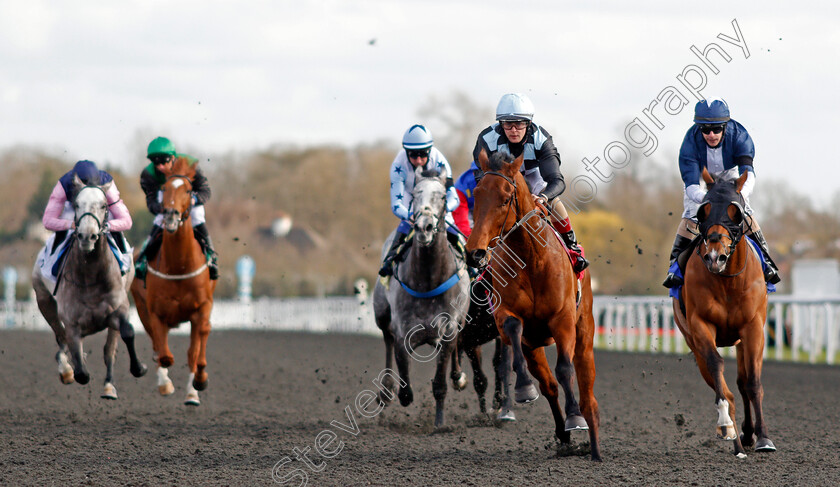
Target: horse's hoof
(726,432)
(741,455)
(110,392)
(764,445)
(67,377)
(506,415)
(576,423)
(82,378)
(384,398)
(139,371)
(166,389)
(460,382)
(746,442)
(526,394)
(200,386)
(192,399)
(406,397)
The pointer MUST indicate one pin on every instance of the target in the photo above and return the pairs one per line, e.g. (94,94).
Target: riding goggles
(518,124)
(160,159)
(414,154)
(715,129)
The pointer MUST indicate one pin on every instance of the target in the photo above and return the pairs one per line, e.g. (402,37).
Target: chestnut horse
(533,276)
(178,287)
(725,300)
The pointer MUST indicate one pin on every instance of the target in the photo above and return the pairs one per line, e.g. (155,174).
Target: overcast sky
(95,79)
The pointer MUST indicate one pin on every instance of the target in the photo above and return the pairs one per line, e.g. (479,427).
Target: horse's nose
(721,260)
(476,257)
(429,227)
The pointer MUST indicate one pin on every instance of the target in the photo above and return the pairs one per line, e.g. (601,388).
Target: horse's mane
(430,173)
(497,159)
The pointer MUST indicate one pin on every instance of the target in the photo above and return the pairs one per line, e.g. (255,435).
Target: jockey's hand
(540,199)
(193,199)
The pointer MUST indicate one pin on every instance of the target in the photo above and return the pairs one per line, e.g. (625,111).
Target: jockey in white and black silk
(161,153)
(724,147)
(418,151)
(517,134)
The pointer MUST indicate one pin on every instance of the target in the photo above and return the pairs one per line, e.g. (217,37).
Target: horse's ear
(708,177)
(517,163)
(739,183)
(482,161)
(77,183)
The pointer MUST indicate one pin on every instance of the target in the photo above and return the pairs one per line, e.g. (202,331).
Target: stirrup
(580,264)
(672,281)
(771,275)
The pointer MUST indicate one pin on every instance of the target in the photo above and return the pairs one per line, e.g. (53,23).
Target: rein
(447,284)
(515,199)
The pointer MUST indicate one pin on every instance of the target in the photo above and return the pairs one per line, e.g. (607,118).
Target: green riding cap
(161,145)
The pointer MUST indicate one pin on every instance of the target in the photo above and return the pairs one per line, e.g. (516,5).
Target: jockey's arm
(549,163)
(201,188)
(151,187)
(398,191)
(52,213)
(119,219)
(745,163)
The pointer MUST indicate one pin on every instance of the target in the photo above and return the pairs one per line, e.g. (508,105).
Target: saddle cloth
(51,256)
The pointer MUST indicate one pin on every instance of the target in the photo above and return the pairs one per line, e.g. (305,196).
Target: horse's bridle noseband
(99,224)
(735,235)
(186,214)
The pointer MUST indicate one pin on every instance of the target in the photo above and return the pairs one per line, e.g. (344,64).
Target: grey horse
(90,294)
(408,321)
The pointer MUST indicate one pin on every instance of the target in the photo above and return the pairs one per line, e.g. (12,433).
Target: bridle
(185,214)
(735,233)
(515,200)
(99,224)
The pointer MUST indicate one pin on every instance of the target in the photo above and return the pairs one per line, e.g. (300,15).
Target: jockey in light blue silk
(724,147)
(418,151)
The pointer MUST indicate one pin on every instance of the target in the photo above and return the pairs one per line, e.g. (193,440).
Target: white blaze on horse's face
(176,202)
(91,209)
(429,203)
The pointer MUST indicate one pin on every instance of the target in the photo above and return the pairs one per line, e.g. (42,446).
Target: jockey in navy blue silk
(724,147)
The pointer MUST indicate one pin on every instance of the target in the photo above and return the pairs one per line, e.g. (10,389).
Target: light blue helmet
(515,106)
(417,137)
(712,111)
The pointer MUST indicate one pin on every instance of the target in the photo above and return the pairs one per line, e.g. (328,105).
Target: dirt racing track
(274,396)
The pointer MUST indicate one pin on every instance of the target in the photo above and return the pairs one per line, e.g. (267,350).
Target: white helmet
(417,137)
(515,106)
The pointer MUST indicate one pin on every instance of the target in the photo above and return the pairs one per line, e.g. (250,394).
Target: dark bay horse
(725,300)
(414,309)
(178,287)
(480,328)
(533,276)
(90,295)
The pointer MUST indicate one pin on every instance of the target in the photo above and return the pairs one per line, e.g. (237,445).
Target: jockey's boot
(148,252)
(680,244)
(771,272)
(386,269)
(570,240)
(203,237)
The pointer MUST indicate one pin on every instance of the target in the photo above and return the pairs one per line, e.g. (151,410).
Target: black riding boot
(680,244)
(571,241)
(386,269)
(149,251)
(771,272)
(119,240)
(203,237)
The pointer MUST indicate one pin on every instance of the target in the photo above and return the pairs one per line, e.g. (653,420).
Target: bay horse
(178,287)
(90,294)
(537,286)
(725,300)
(426,299)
